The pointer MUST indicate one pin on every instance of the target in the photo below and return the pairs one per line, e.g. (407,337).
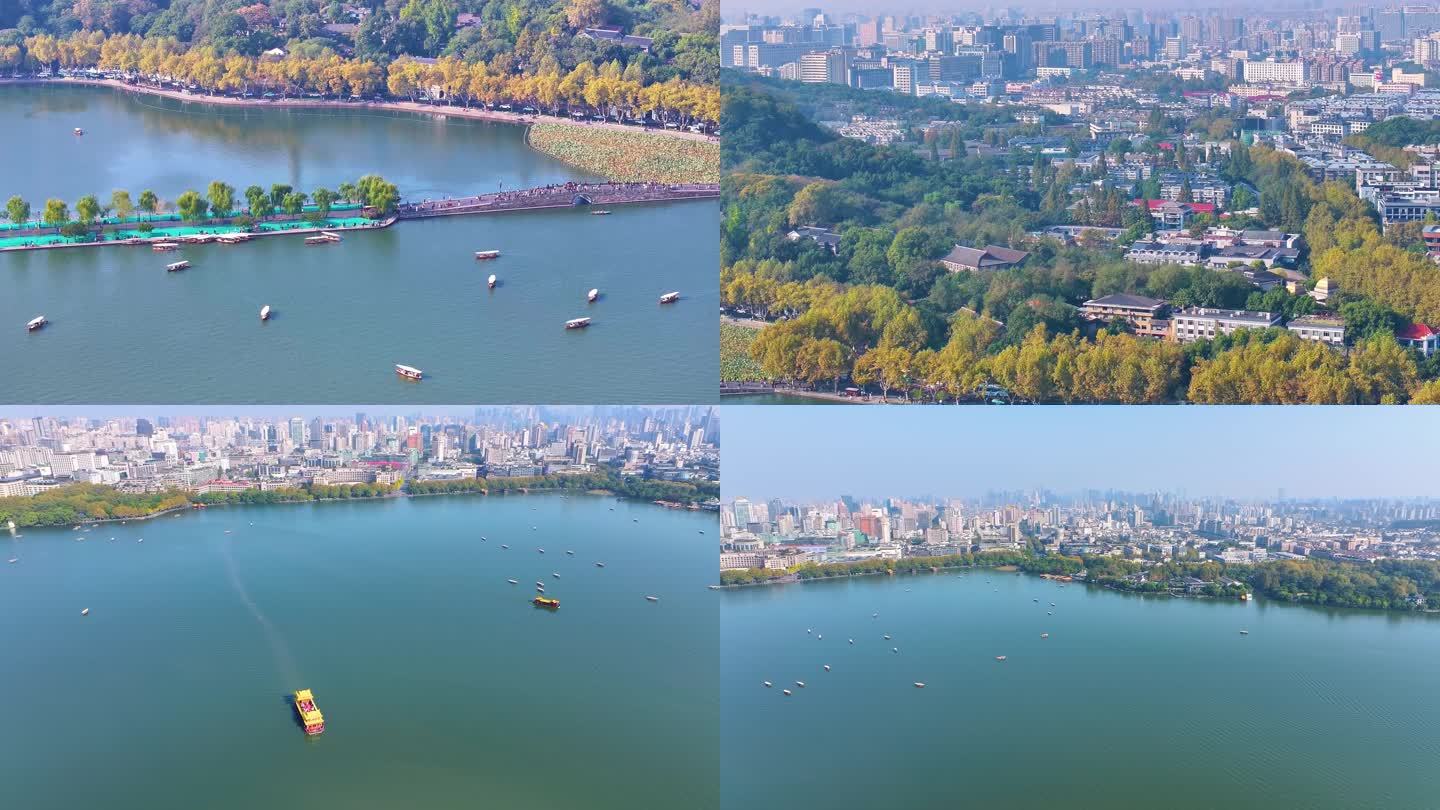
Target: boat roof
(37,319)
(304,694)
(403,367)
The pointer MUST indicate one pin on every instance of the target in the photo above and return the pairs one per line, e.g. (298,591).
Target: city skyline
(864,453)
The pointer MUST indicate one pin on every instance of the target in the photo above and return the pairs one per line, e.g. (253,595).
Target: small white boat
(539,584)
(652,599)
(999,658)
(175,267)
(887,638)
(556,575)
(1044,635)
(85,612)
(409,372)
(895,649)
(540,588)
(599,565)
(786,691)
(702,531)
(767,684)
(513,581)
(1244,632)
(14,560)
(827,667)
(490,282)
(592,295)
(164,247)
(571,553)
(487,254)
(265,313)
(502,545)
(670,298)
(35,323)
(79,131)
(819,637)
(809,630)
(800,684)
(577,323)
(140,540)
(852,641)
(919,685)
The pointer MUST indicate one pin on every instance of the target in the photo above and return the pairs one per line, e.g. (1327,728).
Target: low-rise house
(1419,337)
(1249,254)
(1186,253)
(1326,329)
(1145,315)
(991,257)
(1201,323)
(612,33)
(824,237)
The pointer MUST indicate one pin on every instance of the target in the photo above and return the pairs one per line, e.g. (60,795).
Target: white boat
(1044,635)
(175,267)
(490,282)
(79,131)
(919,685)
(999,658)
(670,298)
(513,581)
(539,584)
(1244,632)
(14,560)
(800,684)
(599,212)
(592,295)
(556,574)
(265,313)
(232,238)
(786,691)
(852,641)
(322,238)
(487,254)
(599,565)
(652,599)
(767,684)
(887,638)
(331,235)
(577,323)
(85,612)
(164,247)
(409,372)
(571,553)
(502,545)
(827,667)
(35,323)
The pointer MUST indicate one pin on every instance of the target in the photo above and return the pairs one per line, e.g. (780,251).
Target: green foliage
(64,506)
(736,364)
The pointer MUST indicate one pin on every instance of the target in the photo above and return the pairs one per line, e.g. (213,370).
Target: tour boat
(85,612)
(670,298)
(331,235)
(1244,632)
(919,685)
(827,667)
(265,313)
(800,684)
(175,267)
(487,254)
(502,545)
(786,691)
(652,599)
(1044,635)
(513,581)
(767,684)
(599,212)
(164,247)
(321,239)
(35,323)
(539,588)
(409,372)
(232,238)
(79,131)
(541,601)
(592,295)
(887,638)
(309,715)
(999,658)
(577,323)
(490,282)
(556,574)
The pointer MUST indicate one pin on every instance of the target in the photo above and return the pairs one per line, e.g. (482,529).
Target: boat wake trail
(279,650)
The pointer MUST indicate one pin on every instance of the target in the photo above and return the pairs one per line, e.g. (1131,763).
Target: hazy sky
(824,451)
(281,411)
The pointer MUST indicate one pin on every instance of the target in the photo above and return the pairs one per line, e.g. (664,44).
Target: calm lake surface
(441,685)
(1145,702)
(124,330)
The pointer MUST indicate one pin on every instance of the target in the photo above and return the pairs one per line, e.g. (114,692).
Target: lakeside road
(471,113)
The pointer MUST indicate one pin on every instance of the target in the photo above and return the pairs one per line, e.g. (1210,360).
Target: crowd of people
(610,192)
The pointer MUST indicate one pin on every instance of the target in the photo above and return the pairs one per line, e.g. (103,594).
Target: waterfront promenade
(563,195)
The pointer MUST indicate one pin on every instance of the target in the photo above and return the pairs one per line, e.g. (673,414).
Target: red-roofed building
(1174,216)
(1419,337)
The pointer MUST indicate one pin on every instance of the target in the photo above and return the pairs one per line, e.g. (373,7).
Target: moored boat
(487,254)
(670,298)
(409,372)
(175,267)
(36,323)
(265,313)
(322,238)
(577,323)
(310,716)
(164,247)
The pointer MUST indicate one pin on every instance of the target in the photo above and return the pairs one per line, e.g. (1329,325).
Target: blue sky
(819,452)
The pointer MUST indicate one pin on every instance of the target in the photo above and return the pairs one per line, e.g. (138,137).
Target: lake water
(441,685)
(124,330)
(1132,702)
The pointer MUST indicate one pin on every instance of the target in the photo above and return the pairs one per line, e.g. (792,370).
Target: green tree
(57,213)
(260,205)
(348,192)
(121,203)
(192,206)
(376,193)
(323,199)
(17,210)
(87,208)
(149,203)
(293,203)
(221,197)
(277,195)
